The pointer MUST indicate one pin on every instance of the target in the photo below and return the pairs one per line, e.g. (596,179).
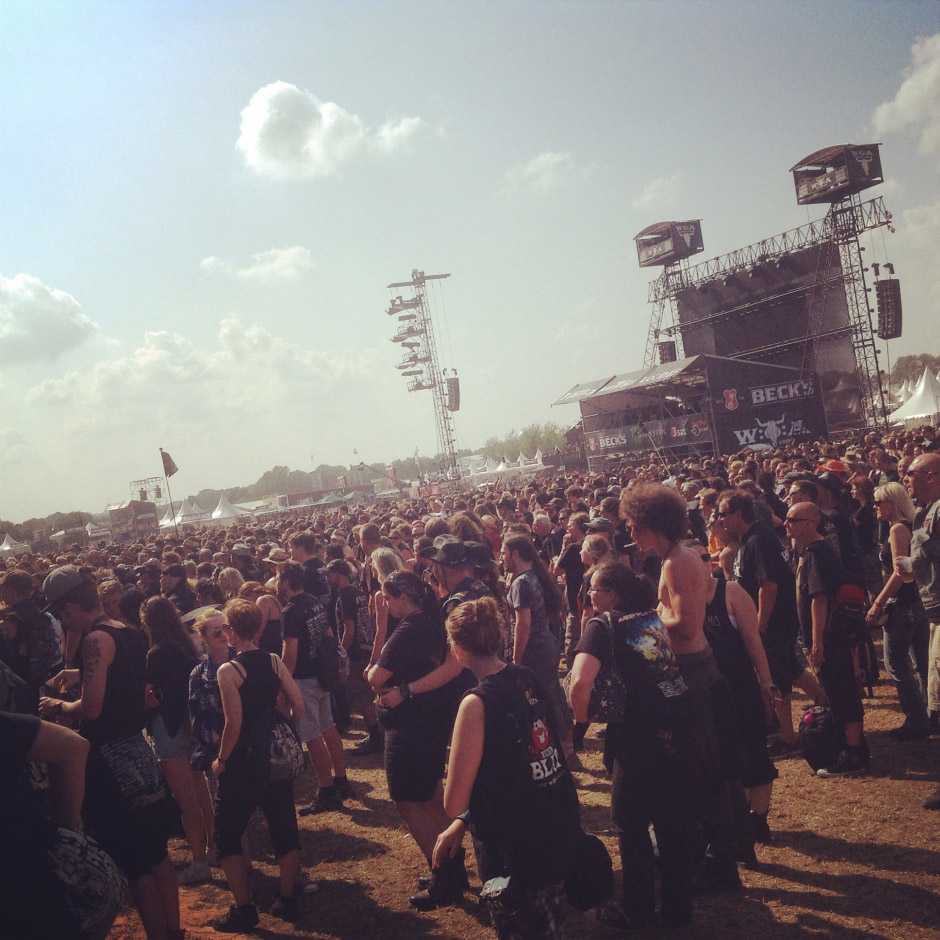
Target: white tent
(924,402)
(96,531)
(191,512)
(225,512)
(9,546)
(904,392)
(169,519)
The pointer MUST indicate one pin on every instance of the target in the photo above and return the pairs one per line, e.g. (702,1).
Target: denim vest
(925,558)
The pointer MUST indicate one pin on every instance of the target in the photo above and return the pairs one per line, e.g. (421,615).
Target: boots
(445,886)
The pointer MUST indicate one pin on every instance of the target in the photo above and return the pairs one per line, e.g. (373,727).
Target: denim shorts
(167,746)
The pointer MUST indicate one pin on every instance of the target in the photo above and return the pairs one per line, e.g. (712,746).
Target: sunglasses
(215,633)
(789,521)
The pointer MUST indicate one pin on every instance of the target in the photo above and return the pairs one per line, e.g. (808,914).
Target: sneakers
(236,919)
(285,909)
(781,748)
(373,744)
(195,874)
(344,788)
(848,764)
(304,884)
(327,800)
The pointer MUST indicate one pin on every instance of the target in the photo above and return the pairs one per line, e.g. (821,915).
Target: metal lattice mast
(849,222)
(421,361)
(662,295)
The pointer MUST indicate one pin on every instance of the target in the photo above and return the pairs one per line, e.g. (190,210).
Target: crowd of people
(703,590)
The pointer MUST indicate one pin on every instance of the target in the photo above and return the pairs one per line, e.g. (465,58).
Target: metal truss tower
(421,363)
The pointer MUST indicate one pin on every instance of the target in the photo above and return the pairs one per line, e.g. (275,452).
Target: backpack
(38,642)
(819,737)
(847,610)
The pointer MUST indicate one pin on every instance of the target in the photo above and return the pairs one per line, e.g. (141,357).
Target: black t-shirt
(570,563)
(820,572)
(418,646)
(352,604)
(315,583)
(168,670)
(305,620)
(762,557)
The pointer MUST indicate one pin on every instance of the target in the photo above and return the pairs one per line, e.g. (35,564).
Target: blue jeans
(906,638)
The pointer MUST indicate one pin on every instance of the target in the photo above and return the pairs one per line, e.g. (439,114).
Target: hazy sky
(201,205)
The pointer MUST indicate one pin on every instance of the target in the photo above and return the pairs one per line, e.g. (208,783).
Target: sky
(201,205)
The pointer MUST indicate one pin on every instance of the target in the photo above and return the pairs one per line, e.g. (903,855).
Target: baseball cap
(60,582)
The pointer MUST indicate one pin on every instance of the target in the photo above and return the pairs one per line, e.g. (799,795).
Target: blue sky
(202,204)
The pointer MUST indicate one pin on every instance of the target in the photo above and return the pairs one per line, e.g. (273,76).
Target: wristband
(57,708)
(464,818)
(404,690)
(222,761)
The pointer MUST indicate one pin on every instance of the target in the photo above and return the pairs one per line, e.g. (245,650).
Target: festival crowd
(674,606)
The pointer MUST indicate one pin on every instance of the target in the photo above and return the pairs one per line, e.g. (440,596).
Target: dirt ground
(854,858)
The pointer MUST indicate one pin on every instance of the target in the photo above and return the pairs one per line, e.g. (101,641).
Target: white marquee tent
(923,403)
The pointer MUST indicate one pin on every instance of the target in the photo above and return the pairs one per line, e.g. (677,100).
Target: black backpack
(820,738)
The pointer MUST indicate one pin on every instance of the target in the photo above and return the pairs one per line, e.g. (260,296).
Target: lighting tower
(420,362)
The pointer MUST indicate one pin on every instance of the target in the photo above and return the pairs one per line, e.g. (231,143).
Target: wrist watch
(404,690)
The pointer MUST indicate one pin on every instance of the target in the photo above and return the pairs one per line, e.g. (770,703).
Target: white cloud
(545,172)
(168,381)
(13,445)
(275,264)
(393,135)
(38,322)
(660,193)
(917,102)
(287,133)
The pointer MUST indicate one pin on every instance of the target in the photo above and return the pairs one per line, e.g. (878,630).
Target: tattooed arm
(97,656)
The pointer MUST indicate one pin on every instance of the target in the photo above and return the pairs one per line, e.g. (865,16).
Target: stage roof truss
(868,215)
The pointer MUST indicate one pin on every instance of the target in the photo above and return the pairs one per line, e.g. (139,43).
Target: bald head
(924,473)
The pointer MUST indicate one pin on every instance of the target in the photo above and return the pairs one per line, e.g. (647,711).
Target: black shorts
(414,762)
(785,666)
(837,675)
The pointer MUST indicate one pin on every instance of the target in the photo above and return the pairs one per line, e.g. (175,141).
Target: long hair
(634,594)
(163,625)
(523,546)
(405,583)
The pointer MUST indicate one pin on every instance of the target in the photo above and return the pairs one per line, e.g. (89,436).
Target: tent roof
(225,510)
(924,401)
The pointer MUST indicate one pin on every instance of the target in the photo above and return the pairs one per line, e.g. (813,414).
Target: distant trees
(58,521)
(533,437)
(912,367)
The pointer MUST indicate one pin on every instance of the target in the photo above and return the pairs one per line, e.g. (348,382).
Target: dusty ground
(854,858)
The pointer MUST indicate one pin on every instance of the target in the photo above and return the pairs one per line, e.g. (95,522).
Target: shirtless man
(658,519)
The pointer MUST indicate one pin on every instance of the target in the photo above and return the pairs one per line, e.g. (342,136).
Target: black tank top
(725,639)
(123,712)
(258,692)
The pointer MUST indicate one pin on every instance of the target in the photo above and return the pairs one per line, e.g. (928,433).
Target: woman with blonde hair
(230,580)
(906,628)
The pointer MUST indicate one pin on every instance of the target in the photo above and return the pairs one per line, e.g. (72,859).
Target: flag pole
(169,495)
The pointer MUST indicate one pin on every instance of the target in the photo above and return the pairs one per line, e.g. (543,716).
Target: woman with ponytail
(418,729)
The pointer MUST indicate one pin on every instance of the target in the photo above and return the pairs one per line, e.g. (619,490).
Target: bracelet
(57,708)
(464,818)
(222,760)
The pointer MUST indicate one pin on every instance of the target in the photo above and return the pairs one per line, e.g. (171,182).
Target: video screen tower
(421,365)
(798,299)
